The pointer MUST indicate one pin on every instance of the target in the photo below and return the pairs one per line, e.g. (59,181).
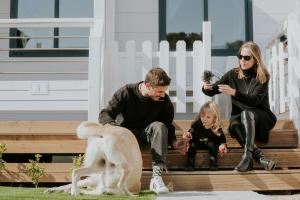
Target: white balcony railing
(283,57)
(42,94)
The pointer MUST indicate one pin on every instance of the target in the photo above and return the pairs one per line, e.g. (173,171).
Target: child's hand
(187,136)
(223,149)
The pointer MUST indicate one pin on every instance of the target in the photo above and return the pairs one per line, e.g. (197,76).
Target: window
(50,37)
(231,23)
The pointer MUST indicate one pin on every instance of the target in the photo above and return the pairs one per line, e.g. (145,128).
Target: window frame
(214,52)
(41,53)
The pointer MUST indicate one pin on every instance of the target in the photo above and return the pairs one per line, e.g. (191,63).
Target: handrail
(46,22)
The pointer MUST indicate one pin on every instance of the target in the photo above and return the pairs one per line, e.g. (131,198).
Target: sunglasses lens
(247,58)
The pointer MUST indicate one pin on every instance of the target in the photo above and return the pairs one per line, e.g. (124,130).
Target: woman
(251,117)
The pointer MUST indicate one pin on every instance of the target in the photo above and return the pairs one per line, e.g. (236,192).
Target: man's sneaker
(157,185)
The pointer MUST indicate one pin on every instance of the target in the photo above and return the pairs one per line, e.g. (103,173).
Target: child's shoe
(213,163)
(190,164)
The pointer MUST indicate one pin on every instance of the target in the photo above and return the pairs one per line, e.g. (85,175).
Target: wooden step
(230,180)
(256,180)
(185,124)
(285,158)
(69,127)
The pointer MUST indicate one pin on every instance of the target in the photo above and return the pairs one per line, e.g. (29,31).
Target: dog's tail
(86,129)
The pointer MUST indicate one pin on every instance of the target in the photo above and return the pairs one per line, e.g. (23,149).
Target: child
(205,133)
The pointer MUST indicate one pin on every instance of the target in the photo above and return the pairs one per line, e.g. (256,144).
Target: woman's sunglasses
(247,58)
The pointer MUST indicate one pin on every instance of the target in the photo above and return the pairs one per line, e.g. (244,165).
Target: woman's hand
(226,89)
(207,86)
(186,136)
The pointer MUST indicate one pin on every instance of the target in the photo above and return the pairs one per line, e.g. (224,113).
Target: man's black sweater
(138,111)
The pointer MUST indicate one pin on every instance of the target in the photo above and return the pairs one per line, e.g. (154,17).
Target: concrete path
(226,195)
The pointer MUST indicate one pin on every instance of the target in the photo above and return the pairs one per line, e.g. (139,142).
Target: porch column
(95,71)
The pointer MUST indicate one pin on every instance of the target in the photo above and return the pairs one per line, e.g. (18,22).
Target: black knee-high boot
(237,131)
(258,156)
(246,163)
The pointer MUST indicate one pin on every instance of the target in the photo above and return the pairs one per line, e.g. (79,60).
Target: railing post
(206,38)
(181,76)
(95,71)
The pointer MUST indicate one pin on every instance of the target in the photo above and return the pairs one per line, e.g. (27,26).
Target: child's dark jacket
(201,135)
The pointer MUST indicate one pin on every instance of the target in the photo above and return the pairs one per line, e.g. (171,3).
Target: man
(146,110)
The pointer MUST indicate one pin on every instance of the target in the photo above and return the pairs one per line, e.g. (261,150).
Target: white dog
(113,162)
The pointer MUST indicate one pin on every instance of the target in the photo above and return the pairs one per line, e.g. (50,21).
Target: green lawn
(20,193)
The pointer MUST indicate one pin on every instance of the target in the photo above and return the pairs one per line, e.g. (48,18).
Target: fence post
(198,97)
(147,58)
(275,78)
(164,50)
(181,76)
(129,64)
(206,38)
(281,77)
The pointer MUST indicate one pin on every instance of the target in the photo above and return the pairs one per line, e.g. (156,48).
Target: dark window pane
(228,23)
(184,21)
(41,9)
(75,9)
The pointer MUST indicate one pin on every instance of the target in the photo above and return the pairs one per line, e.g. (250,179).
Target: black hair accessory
(208,76)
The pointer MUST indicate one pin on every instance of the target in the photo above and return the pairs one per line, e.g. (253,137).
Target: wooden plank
(280,124)
(285,158)
(66,143)
(199,180)
(45,146)
(38,127)
(275,139)
(230,181)
(44,127)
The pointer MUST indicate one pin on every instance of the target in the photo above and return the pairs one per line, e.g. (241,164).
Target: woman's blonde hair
(213,108)
(262,72)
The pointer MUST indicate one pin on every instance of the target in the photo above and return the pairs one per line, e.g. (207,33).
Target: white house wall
(136,20)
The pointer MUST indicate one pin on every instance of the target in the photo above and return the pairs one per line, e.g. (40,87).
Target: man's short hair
(157,77)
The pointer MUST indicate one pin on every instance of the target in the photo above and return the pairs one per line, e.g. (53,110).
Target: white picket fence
(184,67)
(284,65)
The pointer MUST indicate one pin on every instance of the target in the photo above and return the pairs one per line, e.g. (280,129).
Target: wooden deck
(59,139)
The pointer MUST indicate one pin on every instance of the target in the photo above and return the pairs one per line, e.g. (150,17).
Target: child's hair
(213,108)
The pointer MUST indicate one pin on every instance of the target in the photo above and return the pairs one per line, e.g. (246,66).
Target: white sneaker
(157,185)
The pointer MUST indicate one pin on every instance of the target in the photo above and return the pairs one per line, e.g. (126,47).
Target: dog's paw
(74,192)
(49,190)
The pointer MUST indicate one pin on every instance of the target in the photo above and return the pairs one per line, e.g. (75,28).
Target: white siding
(137,20)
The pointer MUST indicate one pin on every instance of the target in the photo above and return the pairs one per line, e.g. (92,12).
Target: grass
(20,193)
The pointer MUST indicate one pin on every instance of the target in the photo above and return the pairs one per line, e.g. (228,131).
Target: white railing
(284,66)
(184,67)
(45,95)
